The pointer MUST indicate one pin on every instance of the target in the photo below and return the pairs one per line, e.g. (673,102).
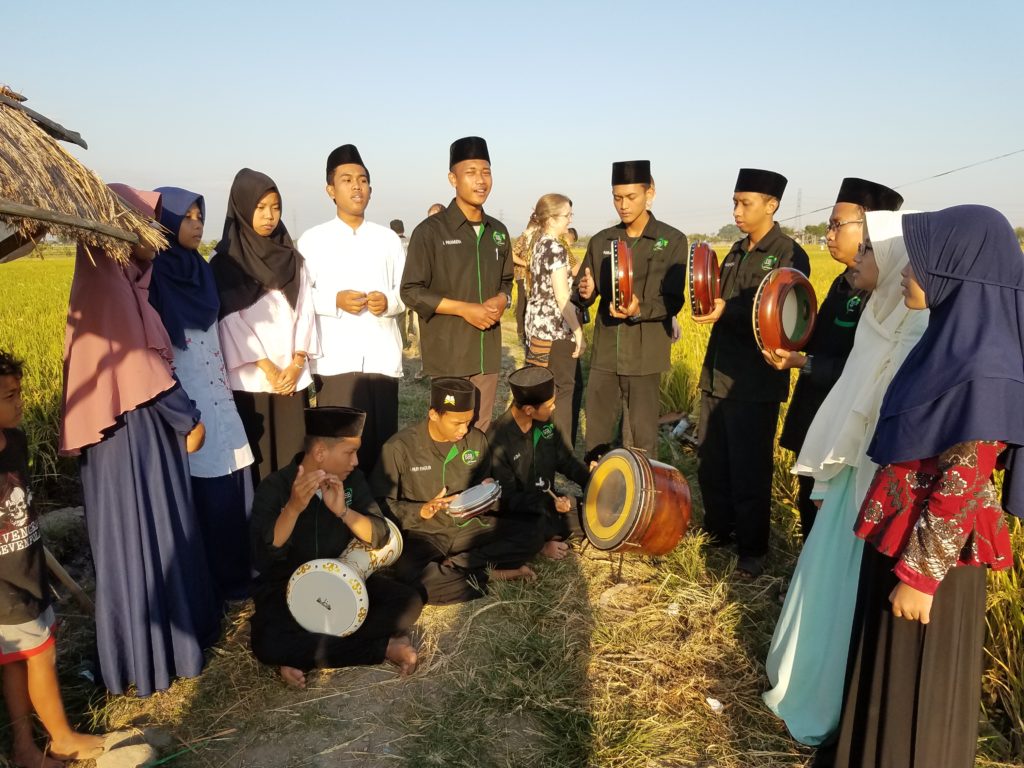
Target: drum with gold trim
(622,274)
(702,277)
(785,309)
(329,596)
(634,504)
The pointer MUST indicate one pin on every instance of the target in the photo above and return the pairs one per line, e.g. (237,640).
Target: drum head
(785,309)
(474,500)
(612,502)
(702,278)
(328,597)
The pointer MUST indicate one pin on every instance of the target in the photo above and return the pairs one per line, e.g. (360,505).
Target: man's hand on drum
(783,360)
(624,313)
(436,504)
(712,316)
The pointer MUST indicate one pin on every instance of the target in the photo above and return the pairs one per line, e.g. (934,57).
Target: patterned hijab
(965,379)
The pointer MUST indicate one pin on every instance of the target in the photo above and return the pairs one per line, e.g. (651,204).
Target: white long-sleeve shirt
(371,258)
(269,330)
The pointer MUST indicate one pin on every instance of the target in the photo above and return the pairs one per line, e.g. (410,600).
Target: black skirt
(913,691)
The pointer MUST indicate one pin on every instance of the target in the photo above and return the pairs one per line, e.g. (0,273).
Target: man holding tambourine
(631,343)
(740,393)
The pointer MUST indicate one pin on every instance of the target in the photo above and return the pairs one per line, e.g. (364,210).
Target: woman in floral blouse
(552,325)
(932,518)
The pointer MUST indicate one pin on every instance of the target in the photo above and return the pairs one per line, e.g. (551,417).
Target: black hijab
(245,264)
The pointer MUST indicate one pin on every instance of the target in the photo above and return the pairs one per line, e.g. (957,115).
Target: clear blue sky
(187,93)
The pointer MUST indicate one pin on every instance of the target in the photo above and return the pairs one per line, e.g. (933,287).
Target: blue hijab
(965,378)
(183,290)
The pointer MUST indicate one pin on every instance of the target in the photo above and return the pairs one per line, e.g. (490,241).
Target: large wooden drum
(702,277)
(634,504)
(785,309)
(622,274)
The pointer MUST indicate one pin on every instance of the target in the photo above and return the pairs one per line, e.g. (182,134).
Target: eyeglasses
(563,215)
(835,226)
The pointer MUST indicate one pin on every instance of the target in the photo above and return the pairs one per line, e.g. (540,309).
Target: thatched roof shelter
(44,190)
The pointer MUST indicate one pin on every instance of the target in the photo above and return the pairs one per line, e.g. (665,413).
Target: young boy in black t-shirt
(27,652)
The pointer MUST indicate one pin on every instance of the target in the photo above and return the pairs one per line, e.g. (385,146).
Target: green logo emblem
(470,457)
(661,245)
(547,431)
(853,303)
(769,263)
(348,497)
(500,238)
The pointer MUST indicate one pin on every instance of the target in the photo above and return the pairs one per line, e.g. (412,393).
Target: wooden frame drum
(622,274)
(785,309)
(703,273)
(633,504)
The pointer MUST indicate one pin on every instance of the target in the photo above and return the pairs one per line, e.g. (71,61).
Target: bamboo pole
(11,208)
(65,578)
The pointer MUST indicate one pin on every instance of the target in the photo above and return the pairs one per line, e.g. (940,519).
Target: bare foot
(296,678)
(555,550)
(402,654)
(28,755)
(511,574)
(77,746)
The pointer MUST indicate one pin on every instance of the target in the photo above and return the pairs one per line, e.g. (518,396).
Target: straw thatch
(43,189)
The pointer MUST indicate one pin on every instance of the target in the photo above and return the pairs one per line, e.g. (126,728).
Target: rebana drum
(328,595)
(703,275)
(785,309)
(634,504)
(622,274)
(474,501)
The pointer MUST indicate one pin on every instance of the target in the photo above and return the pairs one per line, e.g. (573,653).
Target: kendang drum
(474,501)
(622,274)
(634,504)
(328,595)
(703,274)
(785,309)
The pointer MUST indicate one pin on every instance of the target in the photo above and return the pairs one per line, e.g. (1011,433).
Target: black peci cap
(334,421)
(764,182)
(344,155)
(631,172)
(869,195)
(450,394)
(467,148)
(532,385)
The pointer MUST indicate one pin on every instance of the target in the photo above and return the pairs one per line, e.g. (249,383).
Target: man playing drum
(740,392)
(310,509)
(422,470)
(631,344)
(527,449)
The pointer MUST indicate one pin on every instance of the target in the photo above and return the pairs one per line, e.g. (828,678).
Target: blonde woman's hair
(549,206)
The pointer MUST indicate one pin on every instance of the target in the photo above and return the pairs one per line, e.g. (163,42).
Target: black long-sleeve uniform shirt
(642,346)
(449,259)
(413,468)
(830,345)
(734,367)
(520,460)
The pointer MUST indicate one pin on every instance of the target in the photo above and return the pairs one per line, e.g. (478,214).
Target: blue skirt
(156,610)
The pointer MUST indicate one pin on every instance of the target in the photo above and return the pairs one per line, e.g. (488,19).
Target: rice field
(589,667)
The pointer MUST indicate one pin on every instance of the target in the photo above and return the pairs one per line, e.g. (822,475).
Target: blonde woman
(552,325)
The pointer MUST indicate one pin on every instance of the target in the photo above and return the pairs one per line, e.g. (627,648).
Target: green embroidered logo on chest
(661,245)
(348,497)
(853,303)
(769,263)
(547,431)
(500,238)
(470,457)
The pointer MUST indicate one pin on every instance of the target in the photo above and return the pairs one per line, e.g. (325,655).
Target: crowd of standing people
(237,418)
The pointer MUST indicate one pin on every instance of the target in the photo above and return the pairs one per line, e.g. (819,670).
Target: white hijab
(886,333)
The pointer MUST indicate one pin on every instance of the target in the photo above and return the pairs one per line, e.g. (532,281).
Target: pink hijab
(117,354)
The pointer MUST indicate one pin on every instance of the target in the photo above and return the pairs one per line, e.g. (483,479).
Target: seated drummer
(312,509)
(421,470)
(526,450)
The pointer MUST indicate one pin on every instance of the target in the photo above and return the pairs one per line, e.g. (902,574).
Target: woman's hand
(581,343)
(195,439)
(271,371)
(289,377)
(911,604)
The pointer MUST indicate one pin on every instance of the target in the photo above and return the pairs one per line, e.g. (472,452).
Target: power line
(926,178)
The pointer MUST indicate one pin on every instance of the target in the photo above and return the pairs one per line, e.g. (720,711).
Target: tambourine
(474,501)
(785,309)
(622,274)
(702,274)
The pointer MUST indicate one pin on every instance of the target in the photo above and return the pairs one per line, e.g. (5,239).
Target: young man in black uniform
(311,509)
(458,278)
(631,344)
(527,449)
(421,470)
(740,393)
(822,360)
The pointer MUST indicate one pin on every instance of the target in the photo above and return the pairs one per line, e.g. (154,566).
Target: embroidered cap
(450,394)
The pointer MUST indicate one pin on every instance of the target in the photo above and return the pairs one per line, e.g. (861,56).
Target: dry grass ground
(586,667)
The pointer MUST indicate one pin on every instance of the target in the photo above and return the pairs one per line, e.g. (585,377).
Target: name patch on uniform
(451,242)
(769,263)
(499,237)
(424,468)
(661,245)
(516,457)
(470,457)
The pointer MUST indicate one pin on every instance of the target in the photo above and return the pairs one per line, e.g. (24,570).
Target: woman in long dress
(807,658)
(127,419)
